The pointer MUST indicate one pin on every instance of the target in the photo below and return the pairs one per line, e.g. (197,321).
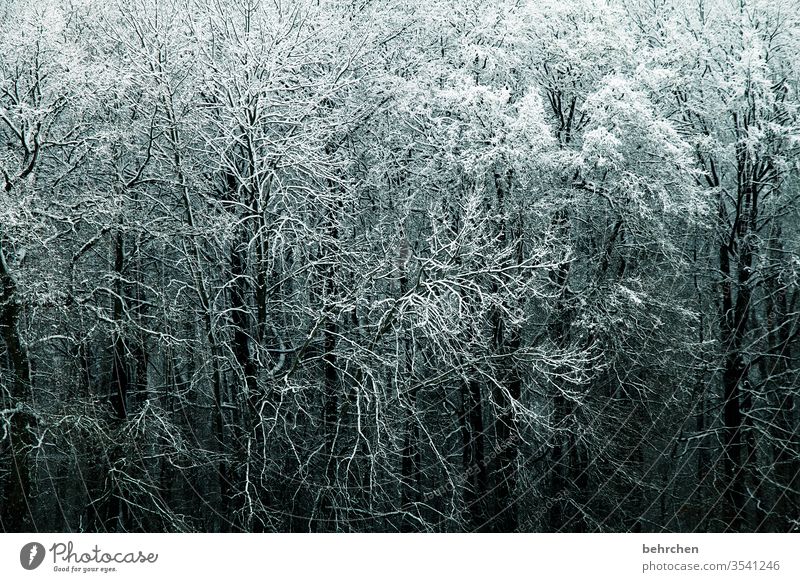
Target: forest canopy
(382,265)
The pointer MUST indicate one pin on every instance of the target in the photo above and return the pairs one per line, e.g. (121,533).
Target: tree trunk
(16,514)
(476,486)
(411,459)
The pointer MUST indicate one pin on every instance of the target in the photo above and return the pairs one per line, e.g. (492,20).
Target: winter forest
(384,265)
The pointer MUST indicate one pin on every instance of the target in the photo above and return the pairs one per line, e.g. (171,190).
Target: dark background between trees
(399,266)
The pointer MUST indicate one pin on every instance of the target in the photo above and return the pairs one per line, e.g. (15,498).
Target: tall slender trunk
(217,383)
(476,486)
(785,442)
(119,366)
(735,318)
(411,456)
(506,444)
(240,313)
(16,513)
(330,365)
(566,462)
(506,342)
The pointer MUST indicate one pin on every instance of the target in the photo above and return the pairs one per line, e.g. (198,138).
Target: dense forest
(384,265)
